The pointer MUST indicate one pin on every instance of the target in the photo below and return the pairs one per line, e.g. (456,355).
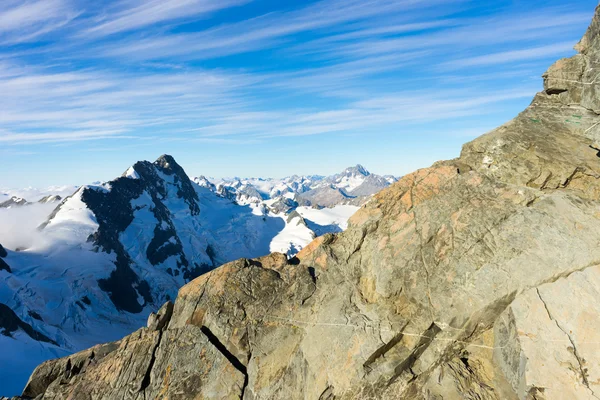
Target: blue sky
(264,87)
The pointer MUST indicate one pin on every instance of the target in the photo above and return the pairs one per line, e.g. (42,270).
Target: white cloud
(512,56)
(141,13)
(18,225)
(265,31)
(22,21)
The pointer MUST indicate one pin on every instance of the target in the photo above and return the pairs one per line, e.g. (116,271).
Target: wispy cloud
(90,104)
(133,15)
(374,113)
(512,56)
(266,30)
(23,21)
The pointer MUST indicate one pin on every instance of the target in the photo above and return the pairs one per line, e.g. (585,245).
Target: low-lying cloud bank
(18,225)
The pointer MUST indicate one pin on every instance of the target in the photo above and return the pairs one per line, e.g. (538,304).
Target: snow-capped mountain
(34,195)
(110,253)
(51,198)
(353,186)
(14,201)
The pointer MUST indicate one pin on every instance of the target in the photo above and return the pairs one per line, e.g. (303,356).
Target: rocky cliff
(477,278)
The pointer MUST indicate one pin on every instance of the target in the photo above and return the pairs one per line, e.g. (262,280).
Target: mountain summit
(356,171)
(476,278)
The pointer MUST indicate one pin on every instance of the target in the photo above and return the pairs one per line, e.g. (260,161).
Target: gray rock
(159,320)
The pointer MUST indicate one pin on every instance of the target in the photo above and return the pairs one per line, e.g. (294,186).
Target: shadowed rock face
(3,265)
(10,323)
(477,278)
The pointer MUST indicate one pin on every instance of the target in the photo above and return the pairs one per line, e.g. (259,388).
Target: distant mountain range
(352,186)
(15,201)
(110,253)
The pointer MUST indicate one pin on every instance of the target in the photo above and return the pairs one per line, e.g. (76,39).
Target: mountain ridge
(474,278)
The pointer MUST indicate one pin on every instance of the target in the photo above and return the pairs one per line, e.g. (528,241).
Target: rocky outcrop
(477,278)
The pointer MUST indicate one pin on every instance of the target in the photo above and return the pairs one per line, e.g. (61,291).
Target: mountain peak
(167,161)
(357,170)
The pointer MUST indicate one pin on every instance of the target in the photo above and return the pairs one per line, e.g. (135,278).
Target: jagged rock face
(477,278)
(10,322)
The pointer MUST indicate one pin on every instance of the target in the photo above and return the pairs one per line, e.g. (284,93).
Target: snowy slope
(327,220)
(306,223)
(294,236)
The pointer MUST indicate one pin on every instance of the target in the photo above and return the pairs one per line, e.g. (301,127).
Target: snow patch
(131,173)
(337,215)
(74,222)
(292,238)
